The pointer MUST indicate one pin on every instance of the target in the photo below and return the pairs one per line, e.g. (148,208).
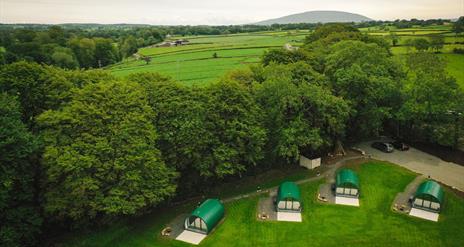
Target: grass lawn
(372,224)
(455,67)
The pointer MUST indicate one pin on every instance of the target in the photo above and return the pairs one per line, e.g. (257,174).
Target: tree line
(86,46)
(73,48)
(81,148)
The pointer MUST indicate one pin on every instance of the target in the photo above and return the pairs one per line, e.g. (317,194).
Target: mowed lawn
(372,224)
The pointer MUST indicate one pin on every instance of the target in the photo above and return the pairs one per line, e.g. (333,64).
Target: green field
(455,66)
(194,63)
(372,224)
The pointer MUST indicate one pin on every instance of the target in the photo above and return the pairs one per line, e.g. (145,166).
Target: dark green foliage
(302,117)
(57,35)
(64,58)
(19,217)
(245,76)
(147,59)
(458,26)
(2,55)
(180,118)
(79,78)
(105,52)
(369,79)
(29,51)
(38,88)
(325,30)
(129,46)
(394,39)
(284,56)
(100,158)
(237,133)
(458,51)
(303,73)
(84,49)
(437,42)
(75,48)
(433,101)
(320,48)
(213,131)
(421,44)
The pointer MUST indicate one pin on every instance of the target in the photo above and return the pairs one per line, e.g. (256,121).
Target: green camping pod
(429,196)
(204,218)
(347,184)
(288,198)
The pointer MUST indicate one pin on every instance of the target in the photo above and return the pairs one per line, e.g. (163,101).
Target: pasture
(372,224)
(455,67)
(195,63)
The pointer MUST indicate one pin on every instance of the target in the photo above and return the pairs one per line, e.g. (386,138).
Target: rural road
(447,173)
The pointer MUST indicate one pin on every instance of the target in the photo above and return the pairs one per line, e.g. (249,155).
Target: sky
(212,12)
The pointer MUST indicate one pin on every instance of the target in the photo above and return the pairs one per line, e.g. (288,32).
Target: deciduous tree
(19,210)
(100,157)
(37,87)
(301,117)
(431,96)
(366,76)
(437,42)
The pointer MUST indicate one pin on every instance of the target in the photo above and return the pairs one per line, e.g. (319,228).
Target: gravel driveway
(447,173)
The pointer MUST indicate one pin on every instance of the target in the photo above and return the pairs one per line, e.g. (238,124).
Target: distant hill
(317,17)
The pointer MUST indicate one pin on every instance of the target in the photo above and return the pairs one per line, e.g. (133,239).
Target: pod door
(196,224)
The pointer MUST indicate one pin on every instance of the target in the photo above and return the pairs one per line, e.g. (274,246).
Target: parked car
(400,145)
(383,146)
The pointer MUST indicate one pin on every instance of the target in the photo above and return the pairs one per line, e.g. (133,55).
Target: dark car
(383,146)
(400,145)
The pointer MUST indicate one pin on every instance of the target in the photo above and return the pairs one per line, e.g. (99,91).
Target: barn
(288,198)
(429,196)
(347,184)
(204,218)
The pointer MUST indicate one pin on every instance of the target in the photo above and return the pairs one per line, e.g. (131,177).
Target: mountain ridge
(317,16)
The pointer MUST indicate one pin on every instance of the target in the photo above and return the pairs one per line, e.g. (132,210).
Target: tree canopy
(431,98)
(19,215)
(83,146)
(100,157)
(366,76)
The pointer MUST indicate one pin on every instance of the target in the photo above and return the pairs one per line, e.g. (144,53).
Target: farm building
(181,42)
(288,198)
(204,218)
(347,184)
(429,196)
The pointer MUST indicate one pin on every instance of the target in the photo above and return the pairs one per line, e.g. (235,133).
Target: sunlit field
(195,63)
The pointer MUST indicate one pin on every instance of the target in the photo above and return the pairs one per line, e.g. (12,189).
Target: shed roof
(288,190)
(347,178)
(430,190)
(210,211)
